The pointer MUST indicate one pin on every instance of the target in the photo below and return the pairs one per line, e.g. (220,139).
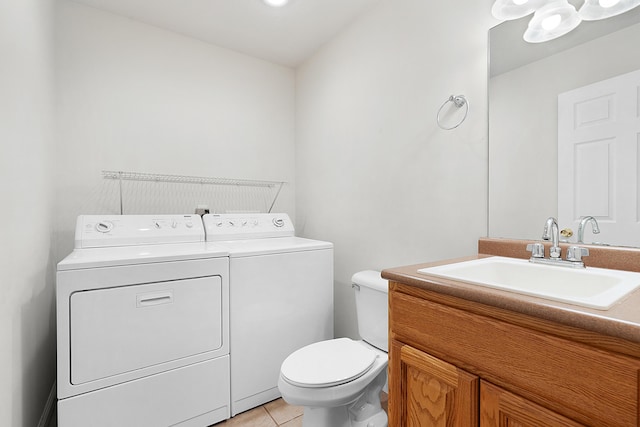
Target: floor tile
(296,422)
(282,412)
(257,417)
(384,401)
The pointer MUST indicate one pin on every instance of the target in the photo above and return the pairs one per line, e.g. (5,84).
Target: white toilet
(339,381)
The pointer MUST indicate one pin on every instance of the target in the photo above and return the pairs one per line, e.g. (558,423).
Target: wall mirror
(524,83)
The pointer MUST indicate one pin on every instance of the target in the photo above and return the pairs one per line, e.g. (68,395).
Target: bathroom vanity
(465,355)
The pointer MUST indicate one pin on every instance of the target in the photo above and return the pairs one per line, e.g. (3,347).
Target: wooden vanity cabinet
(430,392)
(504,409)
(457,363)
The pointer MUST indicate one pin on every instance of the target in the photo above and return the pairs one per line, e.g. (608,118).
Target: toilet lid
(327,363)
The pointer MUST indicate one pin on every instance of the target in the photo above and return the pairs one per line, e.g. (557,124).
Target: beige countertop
(620,321)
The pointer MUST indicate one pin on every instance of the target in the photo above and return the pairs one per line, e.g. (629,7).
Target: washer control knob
(174,224)
(189,224)
(104,226)
(278,222)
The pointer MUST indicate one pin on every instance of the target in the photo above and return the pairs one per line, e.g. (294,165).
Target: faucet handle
(575,253)
(536,249)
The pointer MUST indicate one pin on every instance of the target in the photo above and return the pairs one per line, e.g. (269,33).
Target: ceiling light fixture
(551,21)
(593,10)
(276,3)
(555,18)
(514,9)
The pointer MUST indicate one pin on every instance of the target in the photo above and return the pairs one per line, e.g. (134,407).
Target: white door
(598,156)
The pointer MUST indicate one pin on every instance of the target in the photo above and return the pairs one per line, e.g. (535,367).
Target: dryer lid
(327,363)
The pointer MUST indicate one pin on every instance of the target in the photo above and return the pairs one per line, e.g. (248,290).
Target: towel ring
(459,101)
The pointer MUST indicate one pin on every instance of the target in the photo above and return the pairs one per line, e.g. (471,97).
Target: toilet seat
(327,363)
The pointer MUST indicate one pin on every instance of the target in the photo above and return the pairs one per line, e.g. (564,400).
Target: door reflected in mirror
(525,81)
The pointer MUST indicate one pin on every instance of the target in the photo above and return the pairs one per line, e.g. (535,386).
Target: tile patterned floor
(273,414)
(276,414)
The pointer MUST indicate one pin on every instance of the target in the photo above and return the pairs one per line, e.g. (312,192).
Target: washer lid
(327,363)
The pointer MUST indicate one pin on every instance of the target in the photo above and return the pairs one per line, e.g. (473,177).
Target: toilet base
(322,417)
(366,411)
(339,417)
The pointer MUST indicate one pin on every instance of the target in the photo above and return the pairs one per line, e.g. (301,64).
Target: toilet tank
(372,308)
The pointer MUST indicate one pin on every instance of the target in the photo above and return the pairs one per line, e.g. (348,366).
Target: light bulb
(593,10)
(276,3)
(514,9)
(551,22)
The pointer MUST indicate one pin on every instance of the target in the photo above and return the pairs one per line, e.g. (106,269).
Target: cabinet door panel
(499,408)
(428,392)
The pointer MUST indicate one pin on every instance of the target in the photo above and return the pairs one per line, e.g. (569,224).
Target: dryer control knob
(278,222)
(104,226)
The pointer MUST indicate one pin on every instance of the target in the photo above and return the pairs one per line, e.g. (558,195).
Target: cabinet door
(428,392)
(499,408)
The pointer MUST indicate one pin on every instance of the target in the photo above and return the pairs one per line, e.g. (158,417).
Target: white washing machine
(142,324)
(281,298)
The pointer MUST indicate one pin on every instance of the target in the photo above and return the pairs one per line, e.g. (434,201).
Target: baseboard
(49,408)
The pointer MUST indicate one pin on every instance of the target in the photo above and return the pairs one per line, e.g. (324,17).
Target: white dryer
(142,324)
(281,298)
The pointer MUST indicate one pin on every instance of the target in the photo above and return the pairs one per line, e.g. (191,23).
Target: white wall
(133,97)
(27,340)
(374,173)
(523,189)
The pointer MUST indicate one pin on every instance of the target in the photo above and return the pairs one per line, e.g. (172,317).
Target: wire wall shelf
(144,193)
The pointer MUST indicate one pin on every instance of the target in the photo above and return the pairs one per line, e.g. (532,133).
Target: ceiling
(287,35)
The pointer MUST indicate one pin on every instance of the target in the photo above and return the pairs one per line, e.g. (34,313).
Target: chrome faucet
(552,231)
(583,223)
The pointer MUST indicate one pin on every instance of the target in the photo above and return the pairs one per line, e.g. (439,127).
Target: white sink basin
(591,287)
